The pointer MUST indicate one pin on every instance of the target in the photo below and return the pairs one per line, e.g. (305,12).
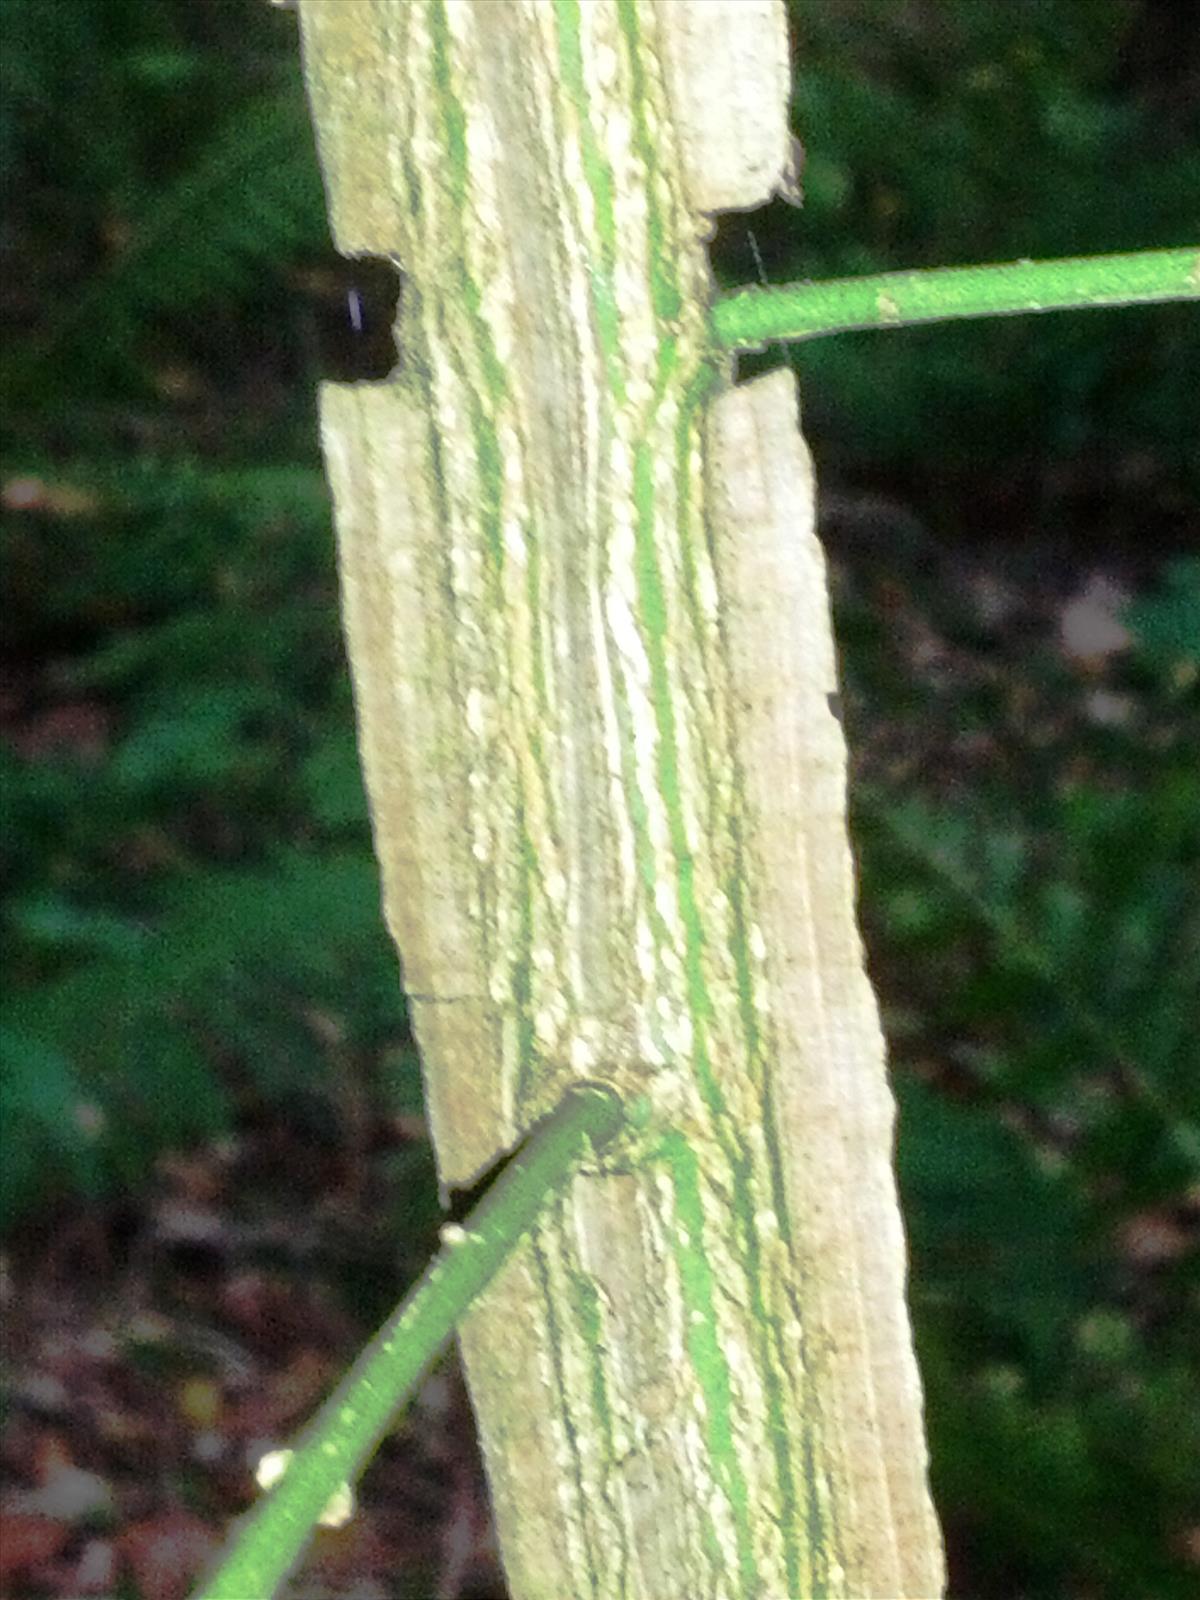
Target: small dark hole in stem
(459,1203)
(757,247)
(354,301)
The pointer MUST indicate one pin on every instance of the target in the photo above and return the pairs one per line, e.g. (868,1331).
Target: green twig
(341,1438)
(749,318)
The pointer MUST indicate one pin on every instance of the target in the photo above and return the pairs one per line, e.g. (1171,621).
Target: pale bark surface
(590,641)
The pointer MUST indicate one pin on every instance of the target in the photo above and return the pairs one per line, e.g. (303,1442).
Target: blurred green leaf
(333,780)
(1166,625)
(52,1127)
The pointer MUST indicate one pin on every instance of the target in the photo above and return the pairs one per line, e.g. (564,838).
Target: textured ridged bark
(590,641)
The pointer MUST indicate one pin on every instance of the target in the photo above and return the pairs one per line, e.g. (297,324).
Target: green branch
(749,318)
(339,1441)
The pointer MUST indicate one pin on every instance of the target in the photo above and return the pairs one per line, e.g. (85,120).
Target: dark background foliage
(215,1177)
